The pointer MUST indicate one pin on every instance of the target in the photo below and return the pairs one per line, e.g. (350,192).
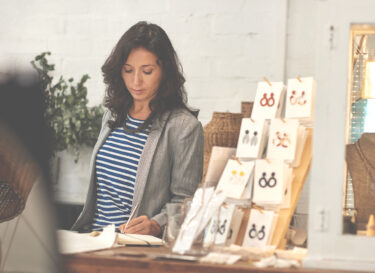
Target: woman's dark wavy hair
(171,93)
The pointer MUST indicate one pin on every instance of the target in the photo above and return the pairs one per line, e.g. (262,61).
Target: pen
(130,217)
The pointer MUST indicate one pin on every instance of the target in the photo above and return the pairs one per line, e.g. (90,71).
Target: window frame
(328,246)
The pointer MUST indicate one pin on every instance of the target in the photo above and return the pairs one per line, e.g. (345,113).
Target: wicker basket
(247,108)
(17,175)
(223,130)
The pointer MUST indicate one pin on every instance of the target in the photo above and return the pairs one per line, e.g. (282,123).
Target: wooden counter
(139,260)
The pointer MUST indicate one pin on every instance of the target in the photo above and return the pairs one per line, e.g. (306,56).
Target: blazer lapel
(147,157)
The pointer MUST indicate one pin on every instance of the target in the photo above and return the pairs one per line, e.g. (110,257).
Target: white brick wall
(225,46)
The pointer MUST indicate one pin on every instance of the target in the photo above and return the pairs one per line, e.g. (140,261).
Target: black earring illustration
(263,181)
(254,139)
(253,232)
(271,182)
(230,233)
(246,137)
(261,233)
(221,228)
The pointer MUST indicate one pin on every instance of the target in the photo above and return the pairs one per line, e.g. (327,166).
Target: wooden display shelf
(300,174)
(285,215)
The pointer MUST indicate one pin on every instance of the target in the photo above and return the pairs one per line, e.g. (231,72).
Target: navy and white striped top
(116,168)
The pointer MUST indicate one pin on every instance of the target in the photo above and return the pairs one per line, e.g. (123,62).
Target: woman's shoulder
(183,116)
(182,125)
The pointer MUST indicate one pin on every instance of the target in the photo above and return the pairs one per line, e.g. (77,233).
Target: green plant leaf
(72,123)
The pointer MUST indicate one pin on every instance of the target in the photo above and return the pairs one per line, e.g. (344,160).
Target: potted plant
(72,123)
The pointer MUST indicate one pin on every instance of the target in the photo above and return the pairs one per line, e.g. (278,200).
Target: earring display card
(235,225)
(220,226)
(248,191)
(259,228)
(300,98)
(271,183)
(218,160)
(267,100)
(251,139)
(282,140)
(235,177)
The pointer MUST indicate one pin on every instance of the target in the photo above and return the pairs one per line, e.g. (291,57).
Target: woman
(150,148)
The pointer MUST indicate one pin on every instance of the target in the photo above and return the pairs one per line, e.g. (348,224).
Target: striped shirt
(116,168)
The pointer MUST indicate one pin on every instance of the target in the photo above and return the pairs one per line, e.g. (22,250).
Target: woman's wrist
(155,228)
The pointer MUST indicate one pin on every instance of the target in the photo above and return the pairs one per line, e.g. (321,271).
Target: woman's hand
(141,225)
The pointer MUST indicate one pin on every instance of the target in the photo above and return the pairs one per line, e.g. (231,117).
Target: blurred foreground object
(18,172)
(24,145)
(28,239)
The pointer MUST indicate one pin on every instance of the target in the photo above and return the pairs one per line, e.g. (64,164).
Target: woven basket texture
(17,175)
(223,130)
(247,108)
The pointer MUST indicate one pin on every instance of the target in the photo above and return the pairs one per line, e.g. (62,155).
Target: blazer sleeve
(186,151)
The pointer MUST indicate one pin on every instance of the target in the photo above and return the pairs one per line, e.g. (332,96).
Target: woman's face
(142,75)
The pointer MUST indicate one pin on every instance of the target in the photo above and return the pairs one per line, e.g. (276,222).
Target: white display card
(260,228)
(268,100)
(220,226)
(251,139)
(300,98)
(218,160)
(235,225)
(235,177)
(248,191)
(271,183)
(282,140)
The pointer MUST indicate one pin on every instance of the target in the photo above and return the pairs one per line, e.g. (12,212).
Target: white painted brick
(106,8)
(205,7)
(78,25)
(301,52)
(255,7)
(95,89)
(240,23)
(187,8)
(181,28)
(235,67)
(151,6)
(59,8)
(240,89)
(225,47)
(129,20)
(216,46)
(197,67)
(235,7)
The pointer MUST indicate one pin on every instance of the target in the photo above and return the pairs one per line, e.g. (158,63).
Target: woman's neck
(140,111)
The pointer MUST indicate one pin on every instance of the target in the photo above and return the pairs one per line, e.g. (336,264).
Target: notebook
(138,239)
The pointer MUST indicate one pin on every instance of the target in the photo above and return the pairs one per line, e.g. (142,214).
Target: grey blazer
(170,167)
